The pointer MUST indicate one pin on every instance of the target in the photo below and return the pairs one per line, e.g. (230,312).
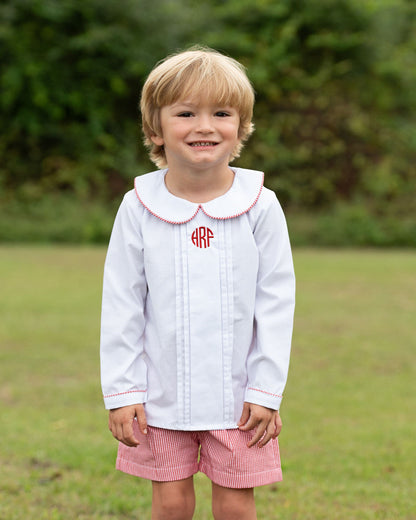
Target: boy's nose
(204,124)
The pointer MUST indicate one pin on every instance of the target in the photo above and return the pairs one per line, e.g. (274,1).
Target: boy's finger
(245,414)
(141,420)
(117,432)
(266,438)
(278,425)
(250,424)
(128,435)
(269,434)
(258,435)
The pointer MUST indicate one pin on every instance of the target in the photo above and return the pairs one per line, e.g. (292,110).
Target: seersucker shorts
(223,455)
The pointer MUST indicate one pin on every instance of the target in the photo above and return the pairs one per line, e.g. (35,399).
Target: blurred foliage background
(335,113)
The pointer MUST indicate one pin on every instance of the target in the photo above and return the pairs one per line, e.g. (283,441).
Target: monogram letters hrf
(202,236)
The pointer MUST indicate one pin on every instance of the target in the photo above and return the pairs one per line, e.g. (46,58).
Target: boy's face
(198,135)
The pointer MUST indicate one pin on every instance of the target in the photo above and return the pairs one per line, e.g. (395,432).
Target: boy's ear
(157,140)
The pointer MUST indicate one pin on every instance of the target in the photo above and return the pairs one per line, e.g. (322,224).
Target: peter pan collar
(152,192)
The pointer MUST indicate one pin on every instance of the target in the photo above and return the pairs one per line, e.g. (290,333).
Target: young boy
(198,299)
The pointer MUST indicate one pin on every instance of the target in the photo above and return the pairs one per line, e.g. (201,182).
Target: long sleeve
(123,366)
(268,360)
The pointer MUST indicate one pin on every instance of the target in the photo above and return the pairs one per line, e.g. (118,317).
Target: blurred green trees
(335,109)
(71,73)
(336,93)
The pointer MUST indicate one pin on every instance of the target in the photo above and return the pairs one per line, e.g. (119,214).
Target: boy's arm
(268,360)
(123,368)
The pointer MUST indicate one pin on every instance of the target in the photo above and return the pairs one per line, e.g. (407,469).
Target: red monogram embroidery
(201,237)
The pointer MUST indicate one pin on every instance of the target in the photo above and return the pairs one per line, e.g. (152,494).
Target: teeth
(203,143)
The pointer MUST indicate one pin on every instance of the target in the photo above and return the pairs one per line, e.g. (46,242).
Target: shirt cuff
(263,398)
(125,399)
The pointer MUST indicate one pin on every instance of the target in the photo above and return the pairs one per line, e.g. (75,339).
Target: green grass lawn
(348,440)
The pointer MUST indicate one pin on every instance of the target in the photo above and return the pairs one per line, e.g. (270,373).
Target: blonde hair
(199,71)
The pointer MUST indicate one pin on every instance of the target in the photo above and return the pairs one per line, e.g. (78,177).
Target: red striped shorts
(223,455)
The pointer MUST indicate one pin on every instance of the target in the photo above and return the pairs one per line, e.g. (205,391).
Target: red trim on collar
(161,218)
(238,214)
(200,207)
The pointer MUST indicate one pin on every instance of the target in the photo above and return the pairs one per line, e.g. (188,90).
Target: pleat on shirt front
(204,326)
(227,314)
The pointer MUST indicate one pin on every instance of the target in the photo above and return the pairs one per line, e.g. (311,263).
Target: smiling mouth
(203,143)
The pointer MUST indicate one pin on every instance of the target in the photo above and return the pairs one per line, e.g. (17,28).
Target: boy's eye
(185,114)
(221,113)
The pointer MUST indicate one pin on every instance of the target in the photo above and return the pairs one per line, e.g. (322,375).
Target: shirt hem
(193,427)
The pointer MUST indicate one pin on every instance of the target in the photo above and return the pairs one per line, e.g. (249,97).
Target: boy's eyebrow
(183,104)
(189,104)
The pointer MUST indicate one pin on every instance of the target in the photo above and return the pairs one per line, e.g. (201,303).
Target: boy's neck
(199,186)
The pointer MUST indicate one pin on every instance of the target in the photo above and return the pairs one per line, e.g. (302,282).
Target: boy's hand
(120,423)
(266,420)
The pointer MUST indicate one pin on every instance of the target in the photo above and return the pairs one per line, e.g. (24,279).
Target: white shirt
(198,304)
